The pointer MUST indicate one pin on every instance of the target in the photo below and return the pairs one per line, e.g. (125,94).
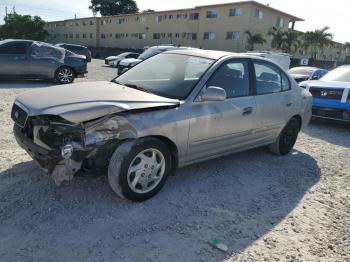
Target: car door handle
(247,110)
(289,104)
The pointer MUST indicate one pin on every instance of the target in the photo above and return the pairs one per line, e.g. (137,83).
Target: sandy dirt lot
(263,207)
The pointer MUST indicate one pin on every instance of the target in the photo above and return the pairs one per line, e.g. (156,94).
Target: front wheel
(287,138)
(139,168)
(64,75)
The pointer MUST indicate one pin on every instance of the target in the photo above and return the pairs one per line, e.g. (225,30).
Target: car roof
(210,54)
(71,45)
(15,40)
(306,67)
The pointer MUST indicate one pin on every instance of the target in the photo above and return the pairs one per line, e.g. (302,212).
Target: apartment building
(220,26)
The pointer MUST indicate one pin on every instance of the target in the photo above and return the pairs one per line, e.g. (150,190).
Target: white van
(281,59)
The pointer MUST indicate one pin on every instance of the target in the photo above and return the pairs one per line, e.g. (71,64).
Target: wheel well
(300,121)
(173,151)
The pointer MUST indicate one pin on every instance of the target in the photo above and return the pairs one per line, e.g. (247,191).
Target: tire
(150,176)
(64,75)
(287,138)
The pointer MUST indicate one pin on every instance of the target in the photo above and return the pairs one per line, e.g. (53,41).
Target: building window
(170,16)
(170,35)
(121,20)
(177,35)
(65,35)
(258,13)
(194,16)
(77,23)
(84,23)
(236,11)
(91,35)
(184,15)
(91,22)
(280,22)
(191,36)
(178,16)
(158,18)
(140,19)
(70,35)
(163,35)
(84,35)
(71,24)
(156,36)
(76,35)
(212,14)
(142,36)
(103,36)
(232,35)
(209,36)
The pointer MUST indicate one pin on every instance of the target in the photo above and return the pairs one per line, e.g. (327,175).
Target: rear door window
(268,78)
(16,48)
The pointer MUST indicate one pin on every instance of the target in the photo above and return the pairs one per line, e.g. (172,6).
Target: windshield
(168,75)
(340,74)
(149,53)
(301,71)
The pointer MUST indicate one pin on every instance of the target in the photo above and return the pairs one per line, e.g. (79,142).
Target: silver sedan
(174,109)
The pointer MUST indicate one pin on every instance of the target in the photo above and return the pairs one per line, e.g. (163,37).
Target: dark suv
(78,49)
(37,60)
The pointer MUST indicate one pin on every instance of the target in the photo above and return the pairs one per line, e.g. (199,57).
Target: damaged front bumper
(50,160)
(62,148)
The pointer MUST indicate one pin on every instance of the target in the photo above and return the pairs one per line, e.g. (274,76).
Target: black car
(78,49)
(28,59)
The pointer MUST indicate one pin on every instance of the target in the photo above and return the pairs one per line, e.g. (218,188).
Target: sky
(316,13)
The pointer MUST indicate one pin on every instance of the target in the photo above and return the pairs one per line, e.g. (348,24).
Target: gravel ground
(263,207)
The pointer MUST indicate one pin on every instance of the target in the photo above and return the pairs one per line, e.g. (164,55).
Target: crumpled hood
(325,84)
(89,100)
(128,61)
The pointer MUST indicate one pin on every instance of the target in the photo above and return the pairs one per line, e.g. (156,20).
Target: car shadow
(317,129)
(13,84)
(236,199)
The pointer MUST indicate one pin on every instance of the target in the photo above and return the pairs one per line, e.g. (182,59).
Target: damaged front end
(62,148)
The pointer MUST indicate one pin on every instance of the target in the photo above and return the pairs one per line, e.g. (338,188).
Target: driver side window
(233,77)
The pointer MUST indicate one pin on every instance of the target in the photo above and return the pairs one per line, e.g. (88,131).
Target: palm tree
(291,41)
(317,40)
(277,38)
(252,39)
(286,41)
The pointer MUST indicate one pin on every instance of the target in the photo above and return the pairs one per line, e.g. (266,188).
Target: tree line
(289,41)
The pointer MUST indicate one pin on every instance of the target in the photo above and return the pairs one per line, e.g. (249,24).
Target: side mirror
(315,77)
(213,93)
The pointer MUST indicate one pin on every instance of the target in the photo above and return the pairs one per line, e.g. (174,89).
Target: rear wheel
(287,138)
(138,169)
(64,75)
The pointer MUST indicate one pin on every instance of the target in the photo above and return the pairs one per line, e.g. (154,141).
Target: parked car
(114,60)
(282,59)
(126,64)
(78,49)
(303,73)
(172,110)
(331,98)
(36,60)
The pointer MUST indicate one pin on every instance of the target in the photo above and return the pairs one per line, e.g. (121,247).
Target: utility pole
(5,12)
